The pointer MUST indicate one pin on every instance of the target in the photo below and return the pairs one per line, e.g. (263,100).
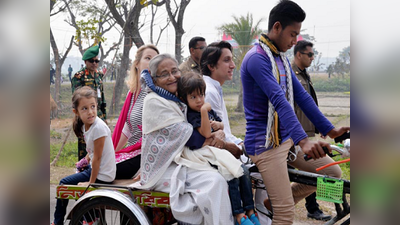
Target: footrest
(142,197)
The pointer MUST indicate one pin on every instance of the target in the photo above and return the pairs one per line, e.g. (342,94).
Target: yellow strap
(276,133)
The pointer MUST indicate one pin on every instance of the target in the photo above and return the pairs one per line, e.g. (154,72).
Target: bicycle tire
(104,211)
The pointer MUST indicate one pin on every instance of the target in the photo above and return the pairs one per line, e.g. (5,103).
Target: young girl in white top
(99,146)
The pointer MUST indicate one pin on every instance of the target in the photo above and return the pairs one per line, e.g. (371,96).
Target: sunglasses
(309,54)
(93,60)
(201,48)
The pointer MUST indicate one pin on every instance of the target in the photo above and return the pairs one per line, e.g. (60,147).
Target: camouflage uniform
(83,78)
(189,65)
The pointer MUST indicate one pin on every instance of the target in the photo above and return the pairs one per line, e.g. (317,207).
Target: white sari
(198,192)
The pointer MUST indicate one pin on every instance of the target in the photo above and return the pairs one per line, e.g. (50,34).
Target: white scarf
(271,109)
(165,133)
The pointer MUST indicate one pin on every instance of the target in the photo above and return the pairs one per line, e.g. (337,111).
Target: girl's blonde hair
(78,94)
(133,81)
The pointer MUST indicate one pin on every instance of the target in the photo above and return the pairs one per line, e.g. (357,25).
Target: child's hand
(206,106)
(81,165)
(83,183)
(87,158)
(137,178)
(215,125)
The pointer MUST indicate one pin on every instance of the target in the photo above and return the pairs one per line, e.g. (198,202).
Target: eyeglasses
(309,54)
(174,72)
(93,60)
(201,47)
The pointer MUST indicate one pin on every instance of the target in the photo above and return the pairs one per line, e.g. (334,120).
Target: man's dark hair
(190,83)
(301,46)
(193,42)
(286,12)
(211,55)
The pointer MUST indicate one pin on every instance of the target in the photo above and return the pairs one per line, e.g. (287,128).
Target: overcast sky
(327,20)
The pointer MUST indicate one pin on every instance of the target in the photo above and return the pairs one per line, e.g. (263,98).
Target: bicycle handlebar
(308,157)
(344,152)
(342,137)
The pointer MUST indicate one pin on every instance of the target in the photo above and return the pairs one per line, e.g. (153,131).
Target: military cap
(91,52)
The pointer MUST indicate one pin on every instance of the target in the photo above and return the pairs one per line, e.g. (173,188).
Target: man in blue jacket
(270,89)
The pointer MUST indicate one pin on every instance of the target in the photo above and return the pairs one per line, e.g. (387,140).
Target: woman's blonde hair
(133,81)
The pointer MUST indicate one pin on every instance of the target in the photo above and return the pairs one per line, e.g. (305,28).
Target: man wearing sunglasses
(303,57)
(196,48)
(90,76)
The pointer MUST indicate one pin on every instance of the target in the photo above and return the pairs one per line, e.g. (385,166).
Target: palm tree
(243,31)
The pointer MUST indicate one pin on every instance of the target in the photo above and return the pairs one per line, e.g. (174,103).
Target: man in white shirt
(217,67)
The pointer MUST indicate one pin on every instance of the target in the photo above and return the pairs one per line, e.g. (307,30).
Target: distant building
(234,44)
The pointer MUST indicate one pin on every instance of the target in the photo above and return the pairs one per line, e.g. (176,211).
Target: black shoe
(319,215)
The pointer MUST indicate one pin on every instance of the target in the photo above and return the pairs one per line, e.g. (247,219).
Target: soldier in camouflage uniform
(196,48)
(89,76)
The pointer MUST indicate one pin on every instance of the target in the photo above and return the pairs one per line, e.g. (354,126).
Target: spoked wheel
(104,211)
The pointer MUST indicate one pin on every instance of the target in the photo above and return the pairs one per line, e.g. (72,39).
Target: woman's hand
(219,143)
(122,142)
(218,139)
(219,134)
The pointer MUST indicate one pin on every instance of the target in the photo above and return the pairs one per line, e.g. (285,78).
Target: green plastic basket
(329,189)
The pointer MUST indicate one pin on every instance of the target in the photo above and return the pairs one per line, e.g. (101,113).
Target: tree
(152,24)
(316,63)
(59,58)
(342,63)
(176,19)
(243,31)
(340,67)
(330,70)
(344,55)
(127,16)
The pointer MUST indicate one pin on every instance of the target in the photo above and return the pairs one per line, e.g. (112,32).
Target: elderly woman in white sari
(198,192)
